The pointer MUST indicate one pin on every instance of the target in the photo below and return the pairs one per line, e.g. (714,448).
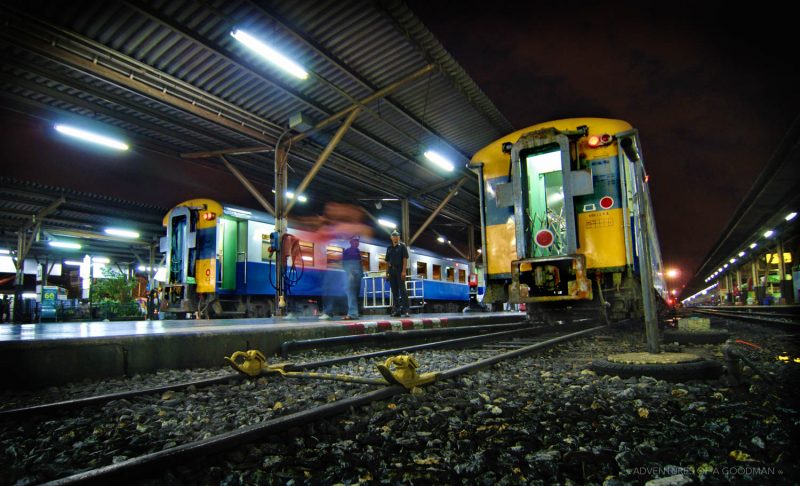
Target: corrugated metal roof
(169,75)
(80,214)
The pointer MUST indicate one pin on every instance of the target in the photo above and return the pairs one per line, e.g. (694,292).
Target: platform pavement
(38,355)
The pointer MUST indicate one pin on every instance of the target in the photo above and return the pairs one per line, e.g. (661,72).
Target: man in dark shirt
(351,263)
(397,259)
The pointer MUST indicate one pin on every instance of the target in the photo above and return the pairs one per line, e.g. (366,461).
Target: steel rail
(141,465)
(436,344)
(763,318)
(286,346)
(16,413)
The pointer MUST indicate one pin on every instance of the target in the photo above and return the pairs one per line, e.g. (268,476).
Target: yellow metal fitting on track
(253,362)
(405,372)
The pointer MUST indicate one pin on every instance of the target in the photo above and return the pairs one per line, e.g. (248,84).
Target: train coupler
(405,372)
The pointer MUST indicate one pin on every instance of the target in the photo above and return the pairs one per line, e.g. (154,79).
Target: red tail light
(599,140)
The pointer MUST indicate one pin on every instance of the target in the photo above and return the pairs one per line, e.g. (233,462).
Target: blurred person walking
(351,262)
(339,221)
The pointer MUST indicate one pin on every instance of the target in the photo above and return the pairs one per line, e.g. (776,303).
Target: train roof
(241,212)
(493,153)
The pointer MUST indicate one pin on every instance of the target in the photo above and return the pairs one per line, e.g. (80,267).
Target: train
(220,262)
(567,220)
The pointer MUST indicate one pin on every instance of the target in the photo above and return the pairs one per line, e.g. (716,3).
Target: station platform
(38,355)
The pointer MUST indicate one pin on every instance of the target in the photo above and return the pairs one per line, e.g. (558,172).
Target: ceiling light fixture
(66,245)
(91,137)
(439,160)
(121,233)
(270,54)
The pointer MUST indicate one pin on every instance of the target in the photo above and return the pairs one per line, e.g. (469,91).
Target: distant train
(566,218)
(221,262)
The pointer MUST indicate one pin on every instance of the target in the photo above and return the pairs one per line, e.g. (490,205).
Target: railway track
(382,389)
(783,315)
(479,334)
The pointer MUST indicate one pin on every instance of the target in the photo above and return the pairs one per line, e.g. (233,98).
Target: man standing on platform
(397,259)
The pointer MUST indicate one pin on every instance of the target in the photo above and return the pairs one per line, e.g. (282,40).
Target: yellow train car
(566,217)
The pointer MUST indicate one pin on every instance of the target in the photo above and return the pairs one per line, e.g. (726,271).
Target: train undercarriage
(615,297)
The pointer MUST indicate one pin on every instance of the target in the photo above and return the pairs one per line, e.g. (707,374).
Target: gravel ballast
(542,419)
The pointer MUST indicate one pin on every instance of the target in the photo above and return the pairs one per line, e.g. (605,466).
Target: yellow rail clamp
(252,362)
(405,372)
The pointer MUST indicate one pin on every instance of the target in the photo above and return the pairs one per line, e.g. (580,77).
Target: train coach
(567,220)
(220,262)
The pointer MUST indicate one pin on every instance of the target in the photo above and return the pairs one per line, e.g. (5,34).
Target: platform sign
(49,302)
(49,295)
(774,258)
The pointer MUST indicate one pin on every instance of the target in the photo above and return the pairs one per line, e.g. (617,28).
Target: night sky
(712,90)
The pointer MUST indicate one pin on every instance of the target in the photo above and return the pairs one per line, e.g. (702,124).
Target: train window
(422,269)
(365,261)
(451,277)
(437,272)
(334,257)
(307,252)
(462,276)
(382,265)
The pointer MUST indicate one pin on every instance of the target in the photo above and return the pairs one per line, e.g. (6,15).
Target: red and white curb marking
(369,327)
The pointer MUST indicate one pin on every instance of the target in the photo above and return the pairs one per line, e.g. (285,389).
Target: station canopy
(774,195)
(201,111)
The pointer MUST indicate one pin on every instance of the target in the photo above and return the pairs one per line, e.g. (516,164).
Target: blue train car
(221,263)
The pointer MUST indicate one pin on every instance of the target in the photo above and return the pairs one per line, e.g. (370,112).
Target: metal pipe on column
(643,242)
(405,223)
(281,156)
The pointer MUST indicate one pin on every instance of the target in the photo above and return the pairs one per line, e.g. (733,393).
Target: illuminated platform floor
(83,330)
(35,355)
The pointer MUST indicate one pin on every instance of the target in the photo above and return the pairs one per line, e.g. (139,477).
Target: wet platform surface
(82,330)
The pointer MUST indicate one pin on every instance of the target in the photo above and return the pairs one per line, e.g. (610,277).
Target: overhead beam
(323,157)
(249,186)
(435,213)
(39,217)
